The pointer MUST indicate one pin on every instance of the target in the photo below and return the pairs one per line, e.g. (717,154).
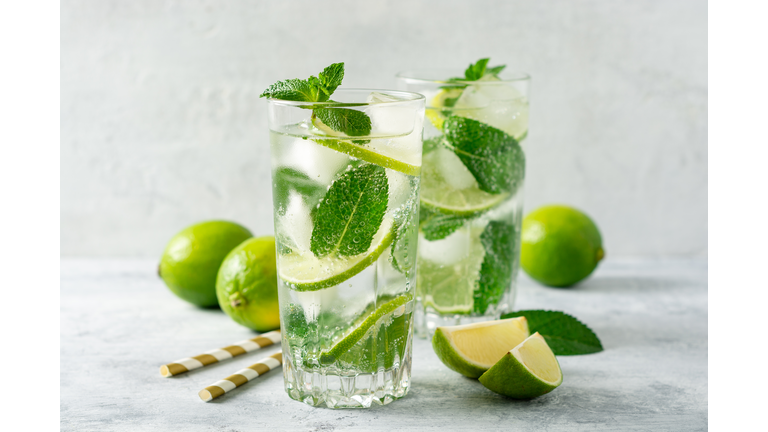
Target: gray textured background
(161,124)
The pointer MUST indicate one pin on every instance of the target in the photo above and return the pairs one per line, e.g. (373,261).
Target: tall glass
(346,209)
(471,196)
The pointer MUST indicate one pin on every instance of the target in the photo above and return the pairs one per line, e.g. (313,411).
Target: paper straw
(215,356)
(241,377)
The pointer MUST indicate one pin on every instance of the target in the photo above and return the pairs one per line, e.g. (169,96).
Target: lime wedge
(306,272)
(527,371)
(441,193)
(434,111)
(358,332)
(472,349)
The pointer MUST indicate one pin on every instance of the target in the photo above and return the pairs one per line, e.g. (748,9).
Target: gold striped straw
(217,355)
(241,377)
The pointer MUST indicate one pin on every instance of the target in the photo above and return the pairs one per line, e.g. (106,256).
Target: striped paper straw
(217,355)
(241,377)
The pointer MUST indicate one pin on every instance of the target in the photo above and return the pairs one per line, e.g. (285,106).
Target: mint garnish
(474,72)
(403,248)
(437,226)
(320,89)
(351,212)
(494,158)
(349,121)
(564,334)
(498,240)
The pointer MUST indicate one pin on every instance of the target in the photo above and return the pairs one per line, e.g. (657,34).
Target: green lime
(378,152)
(527,371)
(247,285)
(192,258)
(472,349)
(358,332)
(560,245)
(306,272)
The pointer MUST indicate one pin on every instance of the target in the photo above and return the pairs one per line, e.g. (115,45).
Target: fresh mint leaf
(431,144)
(494,158)
(331,77)
(345,120)
(498,240)
(404,247)
(564,334)
(437,226)
(292,90)
(495,71)
(351,212)
(476,70)
(313,89)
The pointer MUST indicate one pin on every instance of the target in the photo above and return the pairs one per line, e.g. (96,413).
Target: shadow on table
(608,284)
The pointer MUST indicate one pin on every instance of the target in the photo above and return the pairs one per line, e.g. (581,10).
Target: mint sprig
(477,70)
(351,212)
(494,158)
(564,334)
(319,89)
(437,226)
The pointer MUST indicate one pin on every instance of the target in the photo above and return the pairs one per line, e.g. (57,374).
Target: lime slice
(358,332)
(442,193)
(444,281)
(525,372)
(434,111)
(472,349)
(306,272)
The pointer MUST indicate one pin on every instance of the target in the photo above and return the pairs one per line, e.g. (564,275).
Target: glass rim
(421,76)
(406,97)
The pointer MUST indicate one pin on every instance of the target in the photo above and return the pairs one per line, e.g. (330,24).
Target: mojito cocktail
(471,193)
(345,176)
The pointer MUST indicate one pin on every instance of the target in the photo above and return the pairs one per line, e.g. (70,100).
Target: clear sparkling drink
(346,229)
(471,195)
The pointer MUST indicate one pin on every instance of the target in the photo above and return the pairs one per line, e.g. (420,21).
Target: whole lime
(247,284)
(193,256)
(560,245)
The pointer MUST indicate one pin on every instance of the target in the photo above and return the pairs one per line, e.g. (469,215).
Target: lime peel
(527,371)
(330,356)
(367,155)
(294,262)
(472,349)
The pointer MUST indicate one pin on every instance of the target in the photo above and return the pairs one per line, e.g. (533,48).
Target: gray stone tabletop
(119,324)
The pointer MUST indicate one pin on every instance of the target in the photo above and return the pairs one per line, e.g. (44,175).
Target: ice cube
(449,250)
(318,162)
(295,226)
(389,119)
(498,104)
(452,170)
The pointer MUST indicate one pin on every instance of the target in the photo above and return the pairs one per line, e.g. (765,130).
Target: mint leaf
(498,240)
(404,247)
(351,212)
(437,226)
(292,90)
(495,71)
(493,157)
(432,144)
(287,179)
(331,77)
(564,334)
(345,120)
(476,71)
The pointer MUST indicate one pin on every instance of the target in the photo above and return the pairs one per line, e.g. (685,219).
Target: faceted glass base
(360,391)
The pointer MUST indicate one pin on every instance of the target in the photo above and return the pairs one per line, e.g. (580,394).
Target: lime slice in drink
(303,271)
(525,372)
(448,271)
(448,187)
(445,97)
(344,345)
(472,349)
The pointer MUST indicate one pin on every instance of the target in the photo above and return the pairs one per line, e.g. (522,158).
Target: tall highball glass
(346,221)
(471,195)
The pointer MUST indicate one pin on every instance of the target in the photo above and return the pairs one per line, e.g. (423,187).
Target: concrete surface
(119,323)
(162,126)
